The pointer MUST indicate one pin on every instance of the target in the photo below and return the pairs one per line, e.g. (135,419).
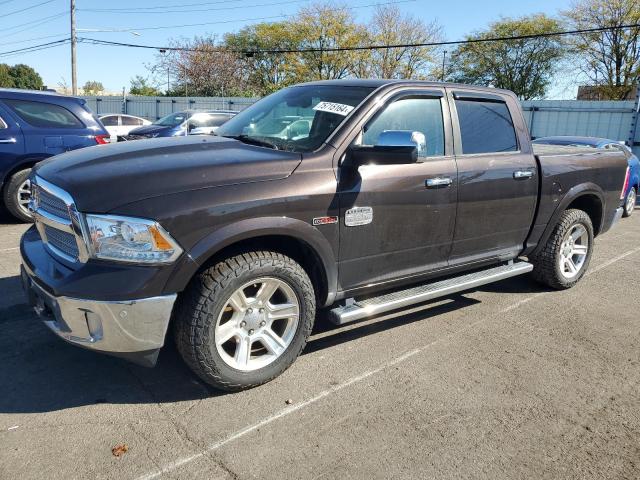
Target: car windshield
(297,119)
(172,120)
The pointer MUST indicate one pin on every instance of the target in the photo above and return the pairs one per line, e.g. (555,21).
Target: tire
(547,262)
(14,195)
(210,309)
(630,202)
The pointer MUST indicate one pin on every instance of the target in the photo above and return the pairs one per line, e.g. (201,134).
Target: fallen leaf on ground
(119,450)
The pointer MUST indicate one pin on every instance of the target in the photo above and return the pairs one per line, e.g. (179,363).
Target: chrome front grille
(62,241)
(58,222)
(52,204)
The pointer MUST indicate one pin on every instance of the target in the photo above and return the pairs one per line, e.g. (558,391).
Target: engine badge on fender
(356,216)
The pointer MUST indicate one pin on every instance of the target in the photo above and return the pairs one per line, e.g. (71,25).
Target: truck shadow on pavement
(42,373)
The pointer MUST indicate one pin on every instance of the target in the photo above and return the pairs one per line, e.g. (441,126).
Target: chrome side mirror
(404,138)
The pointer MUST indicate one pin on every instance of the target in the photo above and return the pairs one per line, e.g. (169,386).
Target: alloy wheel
(574,251)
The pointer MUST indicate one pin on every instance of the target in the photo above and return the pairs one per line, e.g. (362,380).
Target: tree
(525,66)
(6,80)
(25,77)
(390,27)
(92,87)
(610,59)
(140,86)
(325,26)
(265,72)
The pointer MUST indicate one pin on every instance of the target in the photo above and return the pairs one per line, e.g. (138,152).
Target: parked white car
(120,125)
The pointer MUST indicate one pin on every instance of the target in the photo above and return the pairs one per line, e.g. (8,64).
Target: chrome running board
(404,298)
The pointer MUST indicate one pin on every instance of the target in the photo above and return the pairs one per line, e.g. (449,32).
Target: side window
(417,114)
(45,115)
(129,121)
(486,127)
(110,121)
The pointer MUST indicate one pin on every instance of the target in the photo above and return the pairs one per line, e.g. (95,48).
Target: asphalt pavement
(508,381)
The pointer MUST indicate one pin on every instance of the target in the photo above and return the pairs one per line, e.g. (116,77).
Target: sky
(43,21)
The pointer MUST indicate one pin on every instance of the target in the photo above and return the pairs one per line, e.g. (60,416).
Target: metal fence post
(634,119)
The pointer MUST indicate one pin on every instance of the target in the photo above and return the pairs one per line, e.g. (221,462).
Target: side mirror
(193,130)
(393,147)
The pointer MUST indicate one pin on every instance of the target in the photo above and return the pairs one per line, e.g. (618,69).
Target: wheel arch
(294,238)
(23,163)
(587,197)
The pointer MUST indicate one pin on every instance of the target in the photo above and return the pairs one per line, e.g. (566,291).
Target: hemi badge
(325,220)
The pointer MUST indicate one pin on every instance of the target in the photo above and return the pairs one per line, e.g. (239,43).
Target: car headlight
(127,239)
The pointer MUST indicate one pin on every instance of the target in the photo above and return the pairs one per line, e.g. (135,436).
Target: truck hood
(150,130)
(105,177)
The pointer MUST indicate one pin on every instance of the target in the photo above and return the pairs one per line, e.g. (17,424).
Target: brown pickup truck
(359,197)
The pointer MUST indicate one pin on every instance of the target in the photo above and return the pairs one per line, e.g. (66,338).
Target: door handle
(8,140)
(522,174)
(437,182)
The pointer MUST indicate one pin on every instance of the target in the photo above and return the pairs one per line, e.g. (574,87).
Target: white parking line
(9,249)
(353,380)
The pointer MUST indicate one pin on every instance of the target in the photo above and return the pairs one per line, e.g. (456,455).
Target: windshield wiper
(252,141)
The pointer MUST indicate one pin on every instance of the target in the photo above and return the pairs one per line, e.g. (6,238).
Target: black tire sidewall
(10,195)
(217,372)
(583,219)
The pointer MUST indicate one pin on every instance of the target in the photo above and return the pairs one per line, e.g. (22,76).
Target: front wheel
(630,202)
(565,256)
(245,320)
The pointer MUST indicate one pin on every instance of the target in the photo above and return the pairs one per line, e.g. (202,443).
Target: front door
(398,220)
(497,179)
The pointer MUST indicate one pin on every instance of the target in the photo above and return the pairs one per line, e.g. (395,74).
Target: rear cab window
(486,126)
(44,115)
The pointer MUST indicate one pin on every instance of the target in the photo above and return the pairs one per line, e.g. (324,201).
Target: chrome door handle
(438,182)
(8,140)
(522,174)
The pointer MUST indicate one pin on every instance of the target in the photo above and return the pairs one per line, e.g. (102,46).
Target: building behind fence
(609,119)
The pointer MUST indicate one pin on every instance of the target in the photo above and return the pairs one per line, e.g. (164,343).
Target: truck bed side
(572,176)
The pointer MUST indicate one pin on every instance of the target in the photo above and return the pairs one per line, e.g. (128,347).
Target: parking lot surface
(507,381)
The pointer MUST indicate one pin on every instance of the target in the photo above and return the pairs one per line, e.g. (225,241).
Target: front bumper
(133,329)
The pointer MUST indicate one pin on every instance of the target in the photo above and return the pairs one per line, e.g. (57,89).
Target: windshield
(297,119)
(172,120)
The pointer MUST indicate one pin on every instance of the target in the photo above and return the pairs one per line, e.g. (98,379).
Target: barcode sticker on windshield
(339,108)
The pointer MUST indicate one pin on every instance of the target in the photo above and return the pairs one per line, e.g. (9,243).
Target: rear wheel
(245,320)
(565,257)
(17,194)
(630,202)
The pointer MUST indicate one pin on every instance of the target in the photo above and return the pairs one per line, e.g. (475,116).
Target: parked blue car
(189,122)
(632,180)
(34,126)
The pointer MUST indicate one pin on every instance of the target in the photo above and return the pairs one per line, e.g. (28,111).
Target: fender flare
(247,229)
(572,194)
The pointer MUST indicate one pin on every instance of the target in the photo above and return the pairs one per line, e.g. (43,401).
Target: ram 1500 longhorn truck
(398,192)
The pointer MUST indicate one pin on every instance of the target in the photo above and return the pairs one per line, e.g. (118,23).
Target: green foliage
(6,80)
(525,66)
(610,59)
(140,86)
(20,76)
(92,87)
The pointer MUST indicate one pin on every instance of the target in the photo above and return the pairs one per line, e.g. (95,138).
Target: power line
(27,8)
(32,39)
(39,21)
(6,1)
(365,47)
(163,27)
(155,11)
(155,7)
(34,48)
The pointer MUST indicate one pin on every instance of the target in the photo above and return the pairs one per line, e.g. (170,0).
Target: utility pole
(74,40)
(444,59)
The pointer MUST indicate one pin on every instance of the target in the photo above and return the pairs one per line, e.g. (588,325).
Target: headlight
(128,239)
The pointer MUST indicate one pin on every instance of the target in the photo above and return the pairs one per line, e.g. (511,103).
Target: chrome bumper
(133,329)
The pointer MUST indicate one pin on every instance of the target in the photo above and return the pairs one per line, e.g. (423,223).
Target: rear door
(497,184)
(407,219)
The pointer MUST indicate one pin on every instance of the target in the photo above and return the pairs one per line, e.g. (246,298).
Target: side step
(404,298)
